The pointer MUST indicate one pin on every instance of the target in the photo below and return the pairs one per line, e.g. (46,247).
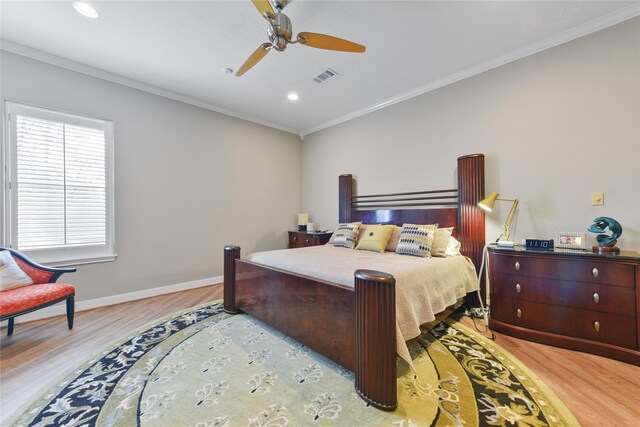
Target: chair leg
(10,327)
(70,311)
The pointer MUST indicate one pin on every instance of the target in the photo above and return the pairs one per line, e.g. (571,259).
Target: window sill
(80,261)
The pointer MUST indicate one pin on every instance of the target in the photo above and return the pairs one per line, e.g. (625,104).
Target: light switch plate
(597,199)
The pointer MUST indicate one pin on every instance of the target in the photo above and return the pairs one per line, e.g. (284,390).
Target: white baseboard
(60,309)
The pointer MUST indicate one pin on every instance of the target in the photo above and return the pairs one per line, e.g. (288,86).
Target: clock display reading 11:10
(541,244)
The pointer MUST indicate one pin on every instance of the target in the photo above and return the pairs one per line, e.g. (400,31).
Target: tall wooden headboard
(457,207)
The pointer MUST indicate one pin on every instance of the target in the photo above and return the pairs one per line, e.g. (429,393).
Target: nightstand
(300,239)
(568,298)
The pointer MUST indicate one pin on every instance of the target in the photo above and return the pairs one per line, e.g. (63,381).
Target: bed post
(376,339)
(470,217)
(231,253)
(345,191)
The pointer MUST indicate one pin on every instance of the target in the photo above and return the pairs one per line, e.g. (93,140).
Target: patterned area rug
(205,368)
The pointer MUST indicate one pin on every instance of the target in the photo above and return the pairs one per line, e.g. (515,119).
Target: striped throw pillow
(346,235)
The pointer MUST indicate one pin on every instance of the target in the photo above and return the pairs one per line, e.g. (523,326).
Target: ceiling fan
(280,33)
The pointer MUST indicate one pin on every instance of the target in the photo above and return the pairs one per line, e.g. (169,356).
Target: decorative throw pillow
(453,248)
(346,235)
(333,236)
(440,241)
(416,240)
(11,276)
(361,231)
(395,238)
(375,238)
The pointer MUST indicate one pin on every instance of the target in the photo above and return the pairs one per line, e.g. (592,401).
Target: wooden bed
(356,326)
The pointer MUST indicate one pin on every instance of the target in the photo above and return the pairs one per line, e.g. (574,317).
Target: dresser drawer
(590,296)
(300,240)
(580,323)
(606,272)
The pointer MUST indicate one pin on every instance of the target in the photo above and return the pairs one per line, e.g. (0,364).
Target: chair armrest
(57,272)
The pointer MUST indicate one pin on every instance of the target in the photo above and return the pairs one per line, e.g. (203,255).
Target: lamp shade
(303,218)
(487,204)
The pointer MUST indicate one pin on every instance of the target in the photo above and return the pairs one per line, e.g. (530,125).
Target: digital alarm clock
(540,244)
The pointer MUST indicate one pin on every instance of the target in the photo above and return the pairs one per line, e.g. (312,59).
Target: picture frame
(571,240)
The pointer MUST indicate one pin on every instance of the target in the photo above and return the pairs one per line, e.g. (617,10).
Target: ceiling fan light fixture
(293,96)
(85,9)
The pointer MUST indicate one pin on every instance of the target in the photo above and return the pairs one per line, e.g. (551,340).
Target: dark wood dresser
(568,298)
(300,239)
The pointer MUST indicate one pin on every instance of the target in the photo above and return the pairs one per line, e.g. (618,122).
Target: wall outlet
(597,199)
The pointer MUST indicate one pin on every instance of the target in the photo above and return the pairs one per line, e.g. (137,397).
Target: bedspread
(424,286)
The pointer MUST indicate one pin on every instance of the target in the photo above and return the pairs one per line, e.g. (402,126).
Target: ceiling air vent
(325,75)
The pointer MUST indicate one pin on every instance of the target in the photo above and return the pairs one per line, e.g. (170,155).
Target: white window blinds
(60,183)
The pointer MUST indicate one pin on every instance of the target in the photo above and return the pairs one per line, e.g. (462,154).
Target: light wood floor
(599,391)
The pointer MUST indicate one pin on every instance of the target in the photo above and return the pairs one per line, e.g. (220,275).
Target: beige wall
(555,127)
(188,180)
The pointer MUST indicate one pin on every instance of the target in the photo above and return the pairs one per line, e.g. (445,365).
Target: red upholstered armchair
(42,293)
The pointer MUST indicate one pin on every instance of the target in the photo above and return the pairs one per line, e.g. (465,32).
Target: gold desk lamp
(487,205)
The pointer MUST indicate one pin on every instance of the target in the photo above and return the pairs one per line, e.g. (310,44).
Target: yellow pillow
(375,238)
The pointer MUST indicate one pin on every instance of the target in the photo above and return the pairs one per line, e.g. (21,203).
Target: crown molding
(590,27)
(125,81)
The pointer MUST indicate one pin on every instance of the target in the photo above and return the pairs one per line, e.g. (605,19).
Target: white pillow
(441,241)
(11,276)
(453,248)
(395,238)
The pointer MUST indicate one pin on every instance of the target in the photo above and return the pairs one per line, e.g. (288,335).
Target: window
(58,183)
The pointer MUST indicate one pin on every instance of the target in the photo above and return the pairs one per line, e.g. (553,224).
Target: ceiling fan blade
(264,6)
(323,41)
(256,56)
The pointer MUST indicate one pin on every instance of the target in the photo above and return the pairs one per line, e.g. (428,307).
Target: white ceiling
(179,48)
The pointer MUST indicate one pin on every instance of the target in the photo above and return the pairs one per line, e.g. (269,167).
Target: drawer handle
(596,326)
(517,265)
(596,297)
(519,313)
(518,287)
(595,272)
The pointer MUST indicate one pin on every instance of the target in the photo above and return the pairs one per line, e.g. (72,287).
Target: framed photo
(571,240)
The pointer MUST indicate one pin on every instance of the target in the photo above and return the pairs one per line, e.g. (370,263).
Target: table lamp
(303,220)
(487,205)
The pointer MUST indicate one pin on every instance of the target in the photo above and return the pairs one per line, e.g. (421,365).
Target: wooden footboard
(376,344)
(315,313)
(356,328)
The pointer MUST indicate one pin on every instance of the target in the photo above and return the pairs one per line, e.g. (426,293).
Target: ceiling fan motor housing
(279,31)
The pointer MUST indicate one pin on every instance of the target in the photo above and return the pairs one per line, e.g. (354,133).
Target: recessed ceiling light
(85,9)
(293,96)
